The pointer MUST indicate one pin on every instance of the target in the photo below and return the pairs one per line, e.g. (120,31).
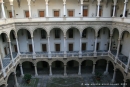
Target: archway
(111,69)
(128,83)
(24,39)
(72,67)
(40,40)
(28,67)
(43,68)
(100,65)
(119,76)
(11,80)
(86,66)
(89,34)
(18,73)
(103,36)
(58,67)
(3,85)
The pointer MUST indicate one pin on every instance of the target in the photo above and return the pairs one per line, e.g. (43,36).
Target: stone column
(106,72)
(64,4)
(17,45)
(95,47)
(128,63)
(124,85)
(79,73)
(65,74)
(2,68)
(65,47)
(109,50)
(119,41)
(81,8)
(33,46)
(21,70)
(98,4)
(46,8)
(16,82)
(80,47)
(29,7)
(35,67)
(93,72)
(125,4)
(49,52)
(50,70)
(10,48)
(114,8)
(114,75)
(3,10)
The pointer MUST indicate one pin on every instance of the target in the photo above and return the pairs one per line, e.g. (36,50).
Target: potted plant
(98,76)
(27,78)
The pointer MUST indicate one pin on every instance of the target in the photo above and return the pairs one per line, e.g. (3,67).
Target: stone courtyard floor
(73,80)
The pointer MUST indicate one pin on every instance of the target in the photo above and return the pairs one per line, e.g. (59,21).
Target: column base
(65,56)
(50,74)
(79,74)
(112,81)
(65,74)
(16,85)
(93,73)
(95,54)
(22,75)
(36,75)
(105,73)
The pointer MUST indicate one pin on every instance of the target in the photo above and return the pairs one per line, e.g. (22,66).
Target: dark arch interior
(72,67)
(18,73)
(43,68)
(111,69)
(57,67)
(11,81)
(119,77)
(28,67)
(2,85)
(86,66)
(128,83)
(42,32)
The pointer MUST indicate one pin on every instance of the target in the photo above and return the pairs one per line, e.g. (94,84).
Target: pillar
(3,10)
(21,70)
(2,68)
(117,50)
(125,4)
(81,8)
(79,73)
(33,46)
(50,70)
(29,6)
(10,49)
(95,47)
(114,75)
(93,71)
(80,47)
(49,52)
(98,4)
(17,45)
(114,8)
(65,74)
(124,85)
(109,50)
(65,47)
(64,4)
(16,82)
(128,63)
(46,8)
(35,67)
(107,66)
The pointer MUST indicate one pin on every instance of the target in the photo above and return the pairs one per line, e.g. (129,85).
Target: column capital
(98,2)
(11,2)
(46,1)
(48,36)
(1,1)
(115,2)
(64,36)
(126,1)
(64,1)
(81,1)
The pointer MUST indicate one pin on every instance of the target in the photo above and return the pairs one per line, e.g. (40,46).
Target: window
(30,48)
(70,33)
(41,13)
(100,11)
(44,47)
(57,33)
(10,14)
(26,14)
(29,35)
(43,34)
(83,46)
(71,47)
(57,47)
(84,34)
(56,13)
(85,11)
(70,13)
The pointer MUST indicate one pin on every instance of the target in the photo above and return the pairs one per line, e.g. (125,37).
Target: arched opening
(119,76)
(58,67)
(24,39)
(57,39)
(11,80)
(100,65)
(111,69)
(114,42)
(72,67)
(86,66)
(40,40)
(103,36)
(3,85)
(28,67)
(73,36)
(43,68)
(128,83)
(89,34)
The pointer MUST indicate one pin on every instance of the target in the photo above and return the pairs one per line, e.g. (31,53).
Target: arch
(57,60)
(42,61)
(23,28)
(109,28)
(7,77)
(88,29)
(27,61)
(72,60)
(12,31)
(102,28)
(37,28)
(101,59)
(114,30)
(120,72)
(123,32)
(59,27)
(73,27)
(86,60)
(6,34)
